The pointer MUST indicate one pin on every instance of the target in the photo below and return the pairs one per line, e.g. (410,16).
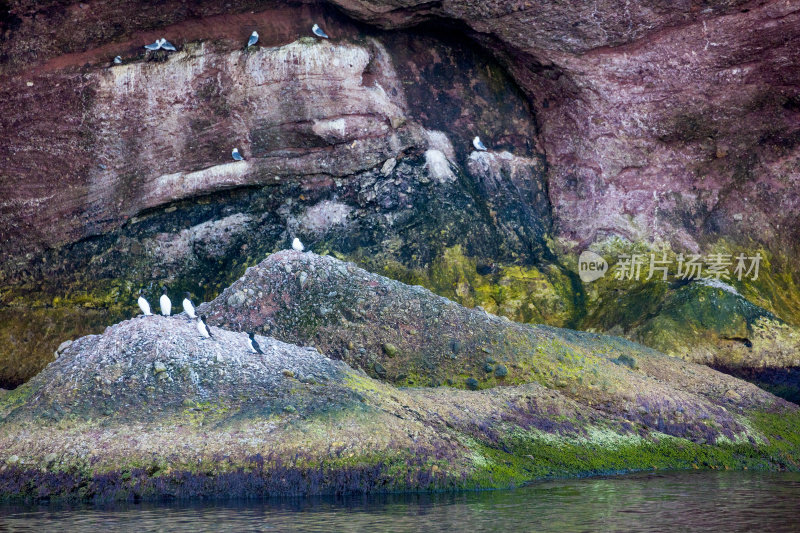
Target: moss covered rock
(151,409)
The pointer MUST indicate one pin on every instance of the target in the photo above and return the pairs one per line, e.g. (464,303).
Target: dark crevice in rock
(782,382)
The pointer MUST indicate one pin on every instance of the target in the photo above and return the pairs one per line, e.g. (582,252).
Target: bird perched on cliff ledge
(253,39)
(297,246)
(166,45)
(236,155)
(476,142)
(159,44)
(316,30)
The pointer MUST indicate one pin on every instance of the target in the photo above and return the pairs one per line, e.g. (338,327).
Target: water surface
(678,501)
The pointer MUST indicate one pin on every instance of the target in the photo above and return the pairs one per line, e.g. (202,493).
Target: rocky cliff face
(659,120)
(620,128)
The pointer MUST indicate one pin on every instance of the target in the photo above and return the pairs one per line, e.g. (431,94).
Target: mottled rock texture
(410,336)
(149,409)
(658,119)
(651,124)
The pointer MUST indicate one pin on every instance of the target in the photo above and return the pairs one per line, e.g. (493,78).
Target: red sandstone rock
(658,120)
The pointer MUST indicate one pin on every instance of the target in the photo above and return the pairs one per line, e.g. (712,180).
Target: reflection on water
(681,501)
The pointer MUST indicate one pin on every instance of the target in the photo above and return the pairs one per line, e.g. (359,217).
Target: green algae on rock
(742,326)
(150,409)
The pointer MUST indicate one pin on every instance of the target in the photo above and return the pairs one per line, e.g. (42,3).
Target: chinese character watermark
(717,266)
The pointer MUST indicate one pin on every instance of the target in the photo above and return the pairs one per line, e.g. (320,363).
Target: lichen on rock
(151,409)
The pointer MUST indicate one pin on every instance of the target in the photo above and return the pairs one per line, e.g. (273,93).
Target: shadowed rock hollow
(151,409)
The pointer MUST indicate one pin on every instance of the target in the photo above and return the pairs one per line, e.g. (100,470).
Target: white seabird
(166,45)
(188,306)
(316,30)
(166,304)
(236,155)
(155,46)
(297,246)
(252,343)
(203,328)
(143,305)
(476,142)
(118,60)
(253,39)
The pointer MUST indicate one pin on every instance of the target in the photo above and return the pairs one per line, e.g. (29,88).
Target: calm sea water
(694,501)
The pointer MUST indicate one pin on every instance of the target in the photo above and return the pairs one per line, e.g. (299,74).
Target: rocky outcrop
(625,128)
(342,146)
(151,409)
(412,337)
(642,110)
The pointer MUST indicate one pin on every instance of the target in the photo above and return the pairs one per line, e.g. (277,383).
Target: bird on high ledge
(476,142)
(316,30)
(166,45)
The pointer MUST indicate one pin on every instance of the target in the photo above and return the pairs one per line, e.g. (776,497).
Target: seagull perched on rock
(188,306)
(297,246)
(143,305)
(118,60)
(203,328)
(253,39)
(252,343)
(476,142)
(316,30)
(155,46)
(166,45)
(236,155)
(166,304)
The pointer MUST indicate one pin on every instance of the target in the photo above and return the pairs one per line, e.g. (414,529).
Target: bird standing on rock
(253,344)
(203,328)
(166,304)
(143,305)
(476,142)
(188,306)
(316,30)
(297,246)
(118,60)
(155,46)
(236,155)
(253,39)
